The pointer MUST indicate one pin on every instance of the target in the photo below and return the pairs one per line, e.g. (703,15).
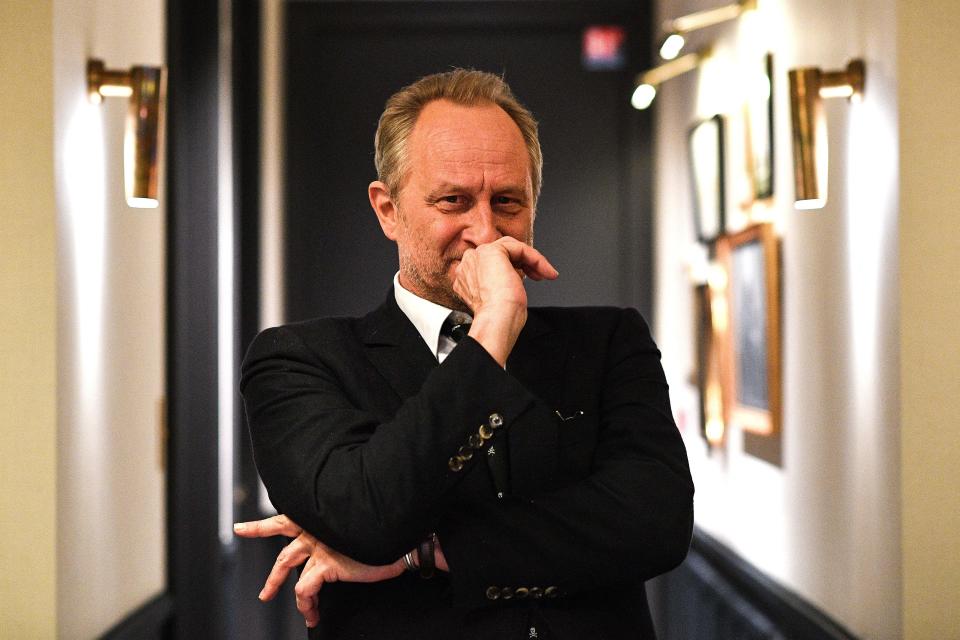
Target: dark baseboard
(716,595)
(792,614)
(150,622)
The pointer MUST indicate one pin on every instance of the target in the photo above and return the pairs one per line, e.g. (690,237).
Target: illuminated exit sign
(604,47)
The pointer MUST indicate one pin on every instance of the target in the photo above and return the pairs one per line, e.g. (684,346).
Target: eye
(506,204)
(452,202)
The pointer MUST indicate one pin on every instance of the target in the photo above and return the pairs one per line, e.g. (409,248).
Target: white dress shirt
(427,317)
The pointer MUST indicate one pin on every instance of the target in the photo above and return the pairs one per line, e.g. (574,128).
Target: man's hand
(489,280)
(323,564)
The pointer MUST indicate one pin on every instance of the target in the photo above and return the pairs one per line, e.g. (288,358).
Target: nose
(482,226)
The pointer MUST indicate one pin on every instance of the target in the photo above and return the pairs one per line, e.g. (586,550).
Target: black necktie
(456,326)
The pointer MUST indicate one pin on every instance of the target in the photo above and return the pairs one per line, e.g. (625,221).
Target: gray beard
(442,295)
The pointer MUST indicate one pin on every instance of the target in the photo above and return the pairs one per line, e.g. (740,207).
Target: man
(534,460)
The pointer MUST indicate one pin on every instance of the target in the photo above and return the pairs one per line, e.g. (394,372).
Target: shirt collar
(426,316)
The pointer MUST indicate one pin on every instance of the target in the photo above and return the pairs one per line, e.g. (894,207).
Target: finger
(467,265)
(465,278)
(278,525)
(533,263)
(290,557)
(540,271)
(307,594)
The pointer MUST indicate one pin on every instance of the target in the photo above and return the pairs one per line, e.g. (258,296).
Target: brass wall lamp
(677,28)
(809,86)
(143,134)
(648,81)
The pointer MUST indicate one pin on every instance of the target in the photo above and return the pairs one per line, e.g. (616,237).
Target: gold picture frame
(751,337)
(708,378)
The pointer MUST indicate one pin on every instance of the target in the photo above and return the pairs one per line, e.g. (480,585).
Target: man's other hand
(489,280)
(323,564)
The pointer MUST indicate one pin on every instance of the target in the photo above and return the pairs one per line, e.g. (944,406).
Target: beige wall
(28,427)
(110,311)
(826,523)
(81,488)
(929,95)
(862,517)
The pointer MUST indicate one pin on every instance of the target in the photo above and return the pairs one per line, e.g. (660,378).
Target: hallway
(819,436)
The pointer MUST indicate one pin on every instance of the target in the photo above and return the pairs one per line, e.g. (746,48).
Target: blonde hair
(466,87)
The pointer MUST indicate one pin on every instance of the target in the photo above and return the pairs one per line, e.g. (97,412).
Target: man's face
(468,184)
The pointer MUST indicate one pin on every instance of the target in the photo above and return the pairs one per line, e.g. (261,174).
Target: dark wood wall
(345,59)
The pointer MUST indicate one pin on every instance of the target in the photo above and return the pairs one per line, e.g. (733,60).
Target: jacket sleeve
(367,486)
(628,519)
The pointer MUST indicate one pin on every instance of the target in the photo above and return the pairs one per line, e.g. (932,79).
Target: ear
(385,208)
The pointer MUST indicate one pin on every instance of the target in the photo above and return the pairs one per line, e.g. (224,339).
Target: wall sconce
(808,87)
(143,135)
(678,28)
(648,81)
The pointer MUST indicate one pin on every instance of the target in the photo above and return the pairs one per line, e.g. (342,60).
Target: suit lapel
(538,359)
(396,349)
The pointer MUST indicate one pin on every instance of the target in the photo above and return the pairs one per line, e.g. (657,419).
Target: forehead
(449,137)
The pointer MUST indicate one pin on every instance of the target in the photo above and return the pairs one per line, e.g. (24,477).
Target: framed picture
(707,178)
(751,370)
(759,129)
(708,373)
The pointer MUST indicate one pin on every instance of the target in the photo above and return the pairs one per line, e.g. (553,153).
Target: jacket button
(495,420)
(475,441)
(493,593)
(455,464)
(486,431)
(506,593)
(536,593)
(521,593)
(551,592)
(465,453)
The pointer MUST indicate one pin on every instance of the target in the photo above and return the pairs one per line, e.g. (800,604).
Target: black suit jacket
(356,431)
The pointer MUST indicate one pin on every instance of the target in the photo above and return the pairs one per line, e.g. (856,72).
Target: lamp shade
(142,137)
(809,138)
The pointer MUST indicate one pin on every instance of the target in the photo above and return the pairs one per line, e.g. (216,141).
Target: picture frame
(759,128)
(707,177)
(708,370)
(752,340)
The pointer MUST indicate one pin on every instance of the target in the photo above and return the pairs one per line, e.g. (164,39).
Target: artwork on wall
(706,140)
(759,128)
(751,345)
(708,373)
